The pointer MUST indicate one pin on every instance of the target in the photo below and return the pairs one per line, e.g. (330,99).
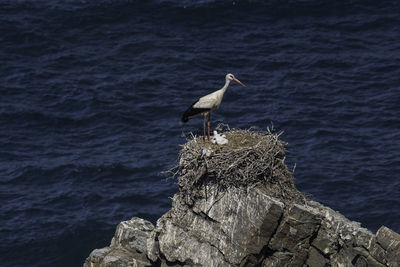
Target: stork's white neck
(227,81)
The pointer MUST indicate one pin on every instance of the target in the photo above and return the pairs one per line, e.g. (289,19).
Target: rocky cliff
(238,206)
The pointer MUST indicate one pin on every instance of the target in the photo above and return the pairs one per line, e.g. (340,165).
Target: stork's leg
(209,119)
(204,128)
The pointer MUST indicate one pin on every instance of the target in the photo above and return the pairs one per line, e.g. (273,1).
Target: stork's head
(231,77)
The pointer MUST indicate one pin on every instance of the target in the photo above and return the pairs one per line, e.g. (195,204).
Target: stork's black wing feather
(192,112)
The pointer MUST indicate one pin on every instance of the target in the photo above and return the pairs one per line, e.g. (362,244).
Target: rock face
(128,246)
(247,226)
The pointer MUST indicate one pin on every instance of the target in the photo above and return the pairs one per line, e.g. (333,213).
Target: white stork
(206,104)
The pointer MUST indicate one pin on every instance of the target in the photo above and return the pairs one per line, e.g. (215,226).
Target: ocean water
(91,94)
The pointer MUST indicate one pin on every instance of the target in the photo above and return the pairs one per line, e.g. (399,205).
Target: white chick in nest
(219,139)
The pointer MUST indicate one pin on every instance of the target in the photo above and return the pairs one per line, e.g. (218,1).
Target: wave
(274,6)
(54,171)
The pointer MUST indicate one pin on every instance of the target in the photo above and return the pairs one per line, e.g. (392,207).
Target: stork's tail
(185,118)
(188,113)
(193,112)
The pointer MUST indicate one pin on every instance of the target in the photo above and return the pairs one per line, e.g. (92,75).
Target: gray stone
(220,230)
(296,229)
(128,246)
(278,259)
(115,257)
(390,242)
(133,234)
(325,241)
(98,255)
(316,259)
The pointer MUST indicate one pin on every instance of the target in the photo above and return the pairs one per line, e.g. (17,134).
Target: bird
(208,103)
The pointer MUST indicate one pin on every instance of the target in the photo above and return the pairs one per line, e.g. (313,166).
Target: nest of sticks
(250,159)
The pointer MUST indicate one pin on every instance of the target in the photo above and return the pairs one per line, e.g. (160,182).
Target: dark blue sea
(92,92)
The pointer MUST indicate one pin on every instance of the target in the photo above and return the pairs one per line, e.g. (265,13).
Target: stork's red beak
(239,82)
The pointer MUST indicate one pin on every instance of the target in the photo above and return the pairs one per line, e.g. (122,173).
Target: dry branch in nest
(250,159)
